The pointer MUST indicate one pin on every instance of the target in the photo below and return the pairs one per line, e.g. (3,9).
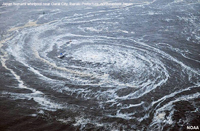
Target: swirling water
(133,67)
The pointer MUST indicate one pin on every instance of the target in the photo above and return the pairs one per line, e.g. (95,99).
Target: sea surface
(128,65)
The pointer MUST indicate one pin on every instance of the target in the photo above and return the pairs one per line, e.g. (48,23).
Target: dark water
(133,67)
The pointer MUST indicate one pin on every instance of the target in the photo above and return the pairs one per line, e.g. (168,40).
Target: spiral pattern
(112,67)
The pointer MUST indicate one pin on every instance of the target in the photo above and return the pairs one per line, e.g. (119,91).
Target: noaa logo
(193,127)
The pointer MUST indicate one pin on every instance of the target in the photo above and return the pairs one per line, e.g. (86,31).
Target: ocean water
(131,66)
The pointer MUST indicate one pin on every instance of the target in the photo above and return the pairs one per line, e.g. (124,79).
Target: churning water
(134,67)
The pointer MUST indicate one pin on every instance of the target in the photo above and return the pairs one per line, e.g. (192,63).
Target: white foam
(169,107)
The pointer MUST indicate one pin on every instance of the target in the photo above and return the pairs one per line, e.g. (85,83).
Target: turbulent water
(127,67)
